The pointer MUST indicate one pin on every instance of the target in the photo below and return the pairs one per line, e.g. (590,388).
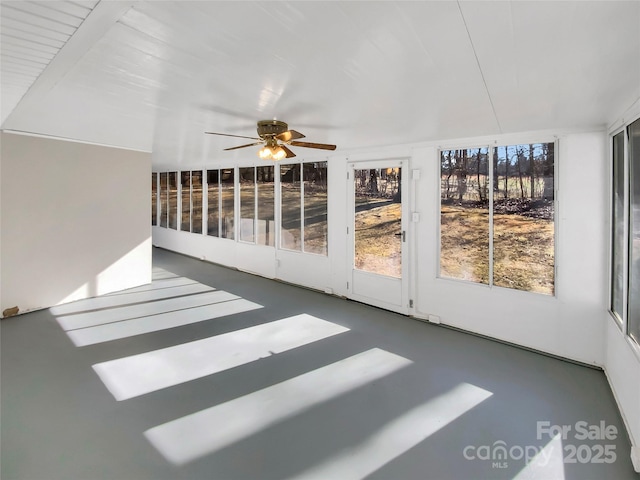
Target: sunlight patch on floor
(128,312)
(158,292)
(193,436)
(548,464)
(148,372)
(398,436)
(154,323)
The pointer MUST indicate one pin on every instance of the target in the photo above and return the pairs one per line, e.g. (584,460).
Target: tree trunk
(533,174)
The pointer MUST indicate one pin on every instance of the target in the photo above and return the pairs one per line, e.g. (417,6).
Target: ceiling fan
(276,136)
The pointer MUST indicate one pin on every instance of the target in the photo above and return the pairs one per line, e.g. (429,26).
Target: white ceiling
(154,75)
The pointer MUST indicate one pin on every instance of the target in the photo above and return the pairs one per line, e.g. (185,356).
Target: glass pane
(464,214)
(185,218)
(164,196)
(196,201)
(315,207)
(378,221)
(247,182)
(523,217)
(618,234)
(227,203)
(213,203)
(173,200)
(266,226)
(633,319)
(154,198)
(291,201)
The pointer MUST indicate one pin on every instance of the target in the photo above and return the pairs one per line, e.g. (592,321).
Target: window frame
(491,146)
(278,187)
(620,320)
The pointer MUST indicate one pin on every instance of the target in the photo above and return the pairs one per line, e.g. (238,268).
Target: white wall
(622,365)
(75,221)
(569,324)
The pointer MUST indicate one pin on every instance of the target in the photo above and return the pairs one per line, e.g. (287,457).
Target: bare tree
(462,176)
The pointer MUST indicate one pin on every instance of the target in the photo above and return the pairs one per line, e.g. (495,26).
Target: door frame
(400,302)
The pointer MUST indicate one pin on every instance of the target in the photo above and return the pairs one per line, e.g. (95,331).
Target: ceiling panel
(156,75)
(32,34)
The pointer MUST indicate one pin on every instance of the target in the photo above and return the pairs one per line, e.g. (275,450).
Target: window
(303,194)
(523,217)
(633,322)
(173,200)
(213,203)
(247,184)
(154,198)
(164,199)
(227,203)
(196,201)
(266,223)
(625,234)
(220,203)
(506,239)
(314,184)
(185,185)
(464,215)
(291,203)
(191,201)
(618,231)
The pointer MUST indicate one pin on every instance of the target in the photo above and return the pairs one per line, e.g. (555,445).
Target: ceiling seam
(484,81)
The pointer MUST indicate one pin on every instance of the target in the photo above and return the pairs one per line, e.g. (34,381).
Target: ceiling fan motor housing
(271,128)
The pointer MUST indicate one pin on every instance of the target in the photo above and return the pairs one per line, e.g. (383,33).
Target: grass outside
(523,249)
(377,248)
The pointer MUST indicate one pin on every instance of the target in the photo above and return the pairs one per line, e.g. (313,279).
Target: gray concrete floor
(429,402)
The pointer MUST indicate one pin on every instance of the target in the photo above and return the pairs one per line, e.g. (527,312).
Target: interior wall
(75,220)
(568,324)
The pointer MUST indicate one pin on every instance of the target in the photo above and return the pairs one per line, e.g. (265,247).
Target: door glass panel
(196,201)
(378,221)
(291,229)
(266,233)
(247,203)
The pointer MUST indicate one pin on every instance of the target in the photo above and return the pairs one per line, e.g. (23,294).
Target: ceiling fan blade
(289,153)
(236,136)
(243,146)
(289,135)
(323,146)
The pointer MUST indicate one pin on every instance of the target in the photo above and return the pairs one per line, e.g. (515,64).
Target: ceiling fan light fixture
(269,152)
(278,154)
(265,153)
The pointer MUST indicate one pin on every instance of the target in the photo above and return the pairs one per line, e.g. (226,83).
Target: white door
(377,234)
